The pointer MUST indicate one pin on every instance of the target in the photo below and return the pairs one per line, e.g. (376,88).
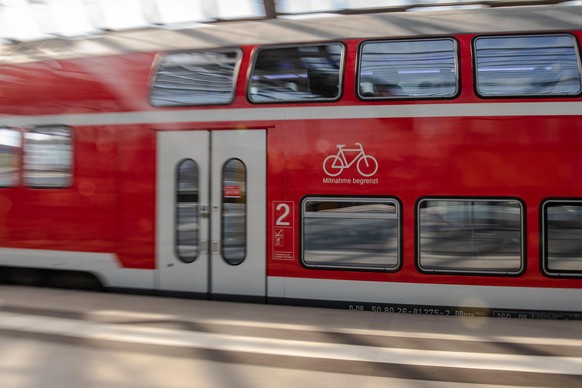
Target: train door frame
(209,272)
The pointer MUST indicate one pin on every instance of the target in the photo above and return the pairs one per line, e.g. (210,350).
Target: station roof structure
(33,20)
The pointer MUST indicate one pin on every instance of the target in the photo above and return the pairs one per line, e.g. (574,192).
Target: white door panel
(176,273)
(211,189)
(227,275)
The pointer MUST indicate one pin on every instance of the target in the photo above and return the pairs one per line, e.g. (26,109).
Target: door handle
(204,212)
(214,247)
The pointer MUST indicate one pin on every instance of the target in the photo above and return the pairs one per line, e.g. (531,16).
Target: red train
(403,162)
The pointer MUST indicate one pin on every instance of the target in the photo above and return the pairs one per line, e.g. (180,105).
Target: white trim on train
(205,115)
(423,294)
(109,272)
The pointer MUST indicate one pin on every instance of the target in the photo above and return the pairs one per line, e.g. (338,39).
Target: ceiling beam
(270,9)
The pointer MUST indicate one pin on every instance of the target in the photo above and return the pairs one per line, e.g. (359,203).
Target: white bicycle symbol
(333,165)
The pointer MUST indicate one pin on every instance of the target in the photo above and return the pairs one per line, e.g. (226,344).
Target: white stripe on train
(424,294)
(106,266)
(201,115)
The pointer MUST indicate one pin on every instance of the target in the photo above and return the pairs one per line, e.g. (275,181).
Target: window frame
(478,272)
(378,268)
(544,239)
(514,96)
(158,64)
(457,68)
(341,72)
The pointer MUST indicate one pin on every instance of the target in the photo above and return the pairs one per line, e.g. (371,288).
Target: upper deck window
(407,69)
(297,73)
(196,78)
(537,65)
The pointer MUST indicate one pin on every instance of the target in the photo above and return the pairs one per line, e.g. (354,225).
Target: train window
(187,214)
(297,73)
(470,236)
(10,144)
(562,237)
(234,212)
(407,69)
(362,233)
(196,78)
(48,157)
(535,65)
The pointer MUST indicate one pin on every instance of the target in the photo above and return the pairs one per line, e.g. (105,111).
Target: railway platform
(63,338)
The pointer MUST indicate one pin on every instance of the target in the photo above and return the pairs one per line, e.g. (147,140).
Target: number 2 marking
(286,210)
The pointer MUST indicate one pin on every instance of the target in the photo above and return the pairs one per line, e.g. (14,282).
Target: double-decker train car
(403,162)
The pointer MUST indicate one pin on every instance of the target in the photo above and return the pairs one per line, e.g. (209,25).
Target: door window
(187,222)
(234,212)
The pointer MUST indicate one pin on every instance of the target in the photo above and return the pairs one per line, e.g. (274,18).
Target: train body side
(467,147)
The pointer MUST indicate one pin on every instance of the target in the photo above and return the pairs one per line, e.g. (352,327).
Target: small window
(48,156)
(298,73)
(187,214)
(10,144)
(198,78)
(351,233)
(479,236)
(234,212)
(562,237)
(527,66)
(408,69)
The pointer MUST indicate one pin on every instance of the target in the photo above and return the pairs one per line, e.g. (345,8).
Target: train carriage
(401,162)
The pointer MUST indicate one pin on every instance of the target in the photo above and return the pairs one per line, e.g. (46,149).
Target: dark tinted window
(10,144)
(408,69)
(299,73)
(527,65)
(187,214)
(350,233)
(234,212)
(562,228)
(470,236)
(198,78)
(48,157)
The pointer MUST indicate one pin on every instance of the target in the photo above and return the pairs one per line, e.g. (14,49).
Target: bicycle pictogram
(333,165)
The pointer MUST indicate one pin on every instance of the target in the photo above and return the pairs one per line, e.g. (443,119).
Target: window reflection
(199,78)
(563,237)
(234,212)
(527,65)
(470,235)
(48,157)
(10,143)
(187,222)
(408,69)
(350,233)
(297,73)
